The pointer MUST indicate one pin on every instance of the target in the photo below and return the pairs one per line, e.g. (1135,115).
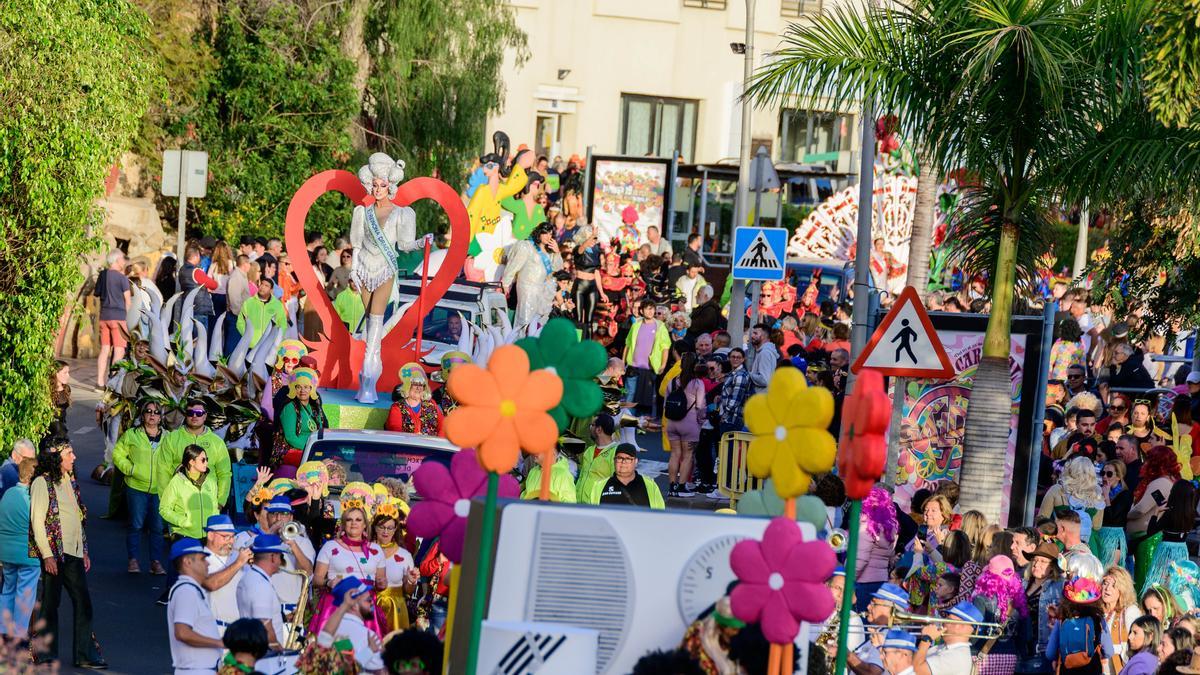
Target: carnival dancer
(378,232)
(527,213)
(897,650)
(532,263)
(192,629)
(413,410)
(1000,597)
(587,266)
(401,572)
(225,568)
(287,360)
(300,417)
(953,656)
(256,597)
(707,639)
(880,528)
(349,554)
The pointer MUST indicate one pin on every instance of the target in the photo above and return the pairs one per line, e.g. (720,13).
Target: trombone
(913,623)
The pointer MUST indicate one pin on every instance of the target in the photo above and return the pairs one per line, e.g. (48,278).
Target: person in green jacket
(596,461)
(349,307)
(626,487)
(300,416)
(136,456)
(191,495)
(562,484)
(261,309)
(645,356)
(194,432)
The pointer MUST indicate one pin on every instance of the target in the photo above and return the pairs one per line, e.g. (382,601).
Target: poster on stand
(616,183)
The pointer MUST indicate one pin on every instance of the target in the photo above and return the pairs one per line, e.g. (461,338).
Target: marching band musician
(196,645)
(300,554)
(953,656)
(837,585)
(225,567)
(256,596)
(866,658)
(353,606)
(898,649)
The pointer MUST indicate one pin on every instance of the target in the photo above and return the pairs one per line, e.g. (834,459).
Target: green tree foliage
(75,89)
(1173,61)
(436,76)
(273,112)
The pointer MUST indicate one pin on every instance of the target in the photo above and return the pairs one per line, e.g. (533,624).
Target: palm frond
(976,225)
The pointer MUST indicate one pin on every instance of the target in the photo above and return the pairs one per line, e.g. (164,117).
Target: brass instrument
(290,531)
(294,626)
(838,539)
(913,623)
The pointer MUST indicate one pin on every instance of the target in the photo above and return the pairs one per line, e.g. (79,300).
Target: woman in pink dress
(349,553)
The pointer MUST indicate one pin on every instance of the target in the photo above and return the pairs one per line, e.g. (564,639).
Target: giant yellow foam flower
(791,438)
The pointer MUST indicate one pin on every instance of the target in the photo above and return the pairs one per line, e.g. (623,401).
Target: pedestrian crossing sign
(905,343)
(759,253)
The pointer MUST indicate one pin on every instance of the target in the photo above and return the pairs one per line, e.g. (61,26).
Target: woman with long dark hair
(299,418)
(191,496)
(684,432)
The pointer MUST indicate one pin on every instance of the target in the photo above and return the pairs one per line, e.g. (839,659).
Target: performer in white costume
(532,263)
(378,233)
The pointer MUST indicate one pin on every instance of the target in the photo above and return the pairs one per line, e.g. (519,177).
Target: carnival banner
(622,183)
(935,416)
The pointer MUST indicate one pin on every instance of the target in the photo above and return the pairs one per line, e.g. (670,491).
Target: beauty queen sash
(387,250)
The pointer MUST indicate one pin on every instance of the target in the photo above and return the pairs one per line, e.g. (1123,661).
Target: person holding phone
(1175,519)
(1159,473)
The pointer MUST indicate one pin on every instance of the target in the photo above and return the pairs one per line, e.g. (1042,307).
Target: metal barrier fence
(733,476)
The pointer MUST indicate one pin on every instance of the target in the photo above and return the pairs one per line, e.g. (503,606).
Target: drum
(278,663)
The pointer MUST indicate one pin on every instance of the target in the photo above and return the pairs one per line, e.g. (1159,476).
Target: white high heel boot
(372,363)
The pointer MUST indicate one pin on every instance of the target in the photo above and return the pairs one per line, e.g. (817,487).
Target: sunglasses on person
(153,411)
(197,412)
(1109,474)
(1117,408)
(1074,376)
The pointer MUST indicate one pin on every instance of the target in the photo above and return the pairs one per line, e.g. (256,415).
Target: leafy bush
(77,77)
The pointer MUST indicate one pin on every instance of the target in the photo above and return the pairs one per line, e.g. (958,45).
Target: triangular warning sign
(905,344)
(759,256)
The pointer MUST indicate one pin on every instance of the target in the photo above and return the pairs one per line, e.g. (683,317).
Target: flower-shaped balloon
(866,414)
(767,502)
(781,581)
(559,350)
(446,499)
(791,441)
(503,409)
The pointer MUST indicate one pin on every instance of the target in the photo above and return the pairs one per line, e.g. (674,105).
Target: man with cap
(596,461)
(898,649)
(866,658)
(299,556)
(191,627)
(256,597)
(626,486)
(837,584)
(225,567)
(353,604)
(953,656)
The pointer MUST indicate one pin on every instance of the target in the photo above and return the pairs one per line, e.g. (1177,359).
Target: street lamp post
(737,297)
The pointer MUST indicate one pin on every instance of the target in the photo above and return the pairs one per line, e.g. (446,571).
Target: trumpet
(290,531)
(913,623)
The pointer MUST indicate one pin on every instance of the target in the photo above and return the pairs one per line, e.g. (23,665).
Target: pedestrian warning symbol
(759,253)
(905,343)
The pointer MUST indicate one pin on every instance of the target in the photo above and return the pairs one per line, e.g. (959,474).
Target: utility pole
(862,258)
(1081,244)
(737,297)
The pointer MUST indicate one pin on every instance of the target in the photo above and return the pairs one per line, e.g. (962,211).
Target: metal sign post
(184,174)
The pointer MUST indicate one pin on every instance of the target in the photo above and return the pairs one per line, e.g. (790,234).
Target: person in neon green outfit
(195,432)
(527,213)
(596,462)
(349,308)
(260,310)
(562,483)
(191,495)
(626,487)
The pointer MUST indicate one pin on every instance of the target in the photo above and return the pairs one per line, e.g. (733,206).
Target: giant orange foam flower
(503,409)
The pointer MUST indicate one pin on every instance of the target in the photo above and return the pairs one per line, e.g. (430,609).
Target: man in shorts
(112,287)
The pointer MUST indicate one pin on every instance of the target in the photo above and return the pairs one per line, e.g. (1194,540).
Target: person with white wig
(379,231)
(1077,489)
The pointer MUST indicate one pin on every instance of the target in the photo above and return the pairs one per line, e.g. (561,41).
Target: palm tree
(1009,91)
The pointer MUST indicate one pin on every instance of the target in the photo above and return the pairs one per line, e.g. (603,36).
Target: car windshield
(368,461)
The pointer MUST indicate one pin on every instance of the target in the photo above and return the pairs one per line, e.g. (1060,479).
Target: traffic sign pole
(182,221)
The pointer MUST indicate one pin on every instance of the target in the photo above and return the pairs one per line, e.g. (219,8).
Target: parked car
(369,455)
(837,278)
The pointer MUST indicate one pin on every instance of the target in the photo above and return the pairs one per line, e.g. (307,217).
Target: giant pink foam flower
(446,499)
(782,581)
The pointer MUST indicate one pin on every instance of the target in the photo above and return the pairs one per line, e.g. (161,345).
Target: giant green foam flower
(559,350)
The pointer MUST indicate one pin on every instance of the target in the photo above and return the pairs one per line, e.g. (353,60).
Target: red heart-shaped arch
(339,356)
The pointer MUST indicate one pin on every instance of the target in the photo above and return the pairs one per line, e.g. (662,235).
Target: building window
(808,136)
(653,125)
(797,8)
(705,4)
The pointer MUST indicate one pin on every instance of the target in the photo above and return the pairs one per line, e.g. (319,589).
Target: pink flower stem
(487,536)
(848,590)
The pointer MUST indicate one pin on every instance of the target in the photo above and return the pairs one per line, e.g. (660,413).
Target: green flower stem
(848,590)
(479,602)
